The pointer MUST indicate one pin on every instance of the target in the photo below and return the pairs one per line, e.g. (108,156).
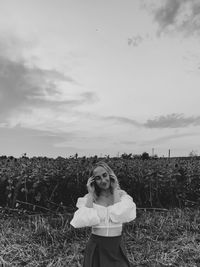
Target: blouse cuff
(123,211)
(84,217)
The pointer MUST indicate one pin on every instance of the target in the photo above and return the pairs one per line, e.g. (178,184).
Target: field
(38,196)
(155,238)
(55,184)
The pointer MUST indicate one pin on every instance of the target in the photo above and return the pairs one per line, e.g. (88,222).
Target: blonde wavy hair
(111,175)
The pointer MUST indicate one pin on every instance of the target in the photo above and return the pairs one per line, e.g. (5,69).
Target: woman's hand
(90,185)
(115,187)
(114,182)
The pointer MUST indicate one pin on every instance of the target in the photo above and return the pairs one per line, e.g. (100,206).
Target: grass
(155,238)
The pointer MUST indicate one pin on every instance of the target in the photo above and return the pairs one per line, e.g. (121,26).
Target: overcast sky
(99,77)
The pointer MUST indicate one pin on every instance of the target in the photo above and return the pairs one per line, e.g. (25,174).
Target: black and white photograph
(99,133)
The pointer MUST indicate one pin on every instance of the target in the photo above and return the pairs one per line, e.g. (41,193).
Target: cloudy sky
(99,77)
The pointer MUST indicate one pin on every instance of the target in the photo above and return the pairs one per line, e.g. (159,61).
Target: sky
(99,77)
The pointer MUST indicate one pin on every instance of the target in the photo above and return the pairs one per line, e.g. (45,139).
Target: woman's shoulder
(124,195)
(81,201)
(83,196)
(122,192)
(86,195)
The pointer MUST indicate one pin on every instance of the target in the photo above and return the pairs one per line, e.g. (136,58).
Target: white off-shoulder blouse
(104,217)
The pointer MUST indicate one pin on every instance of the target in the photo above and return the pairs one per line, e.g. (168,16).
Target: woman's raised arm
(84,216)
(124,210)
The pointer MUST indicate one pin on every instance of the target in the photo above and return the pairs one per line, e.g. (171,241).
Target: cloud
(167,14)
(122,120)
(50,74)
(135,40)
(22,132)
(89,97)
(18,140)
(172,121)
(13,47)
(85,141)
(78,100)
(168,138)
(128,142)
(24,87)
(176,15)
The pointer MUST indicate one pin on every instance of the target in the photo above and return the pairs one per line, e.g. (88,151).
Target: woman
(105,208)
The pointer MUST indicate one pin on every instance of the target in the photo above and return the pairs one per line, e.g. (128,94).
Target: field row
(54,184)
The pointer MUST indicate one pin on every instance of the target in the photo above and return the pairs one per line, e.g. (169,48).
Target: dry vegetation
(155,238)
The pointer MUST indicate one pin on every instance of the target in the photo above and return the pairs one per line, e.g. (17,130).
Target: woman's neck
(105,193)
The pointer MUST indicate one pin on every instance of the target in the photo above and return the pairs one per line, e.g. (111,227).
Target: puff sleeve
(84,216)
(124,210)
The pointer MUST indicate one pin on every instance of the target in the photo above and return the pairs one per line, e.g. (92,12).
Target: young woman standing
(105,208)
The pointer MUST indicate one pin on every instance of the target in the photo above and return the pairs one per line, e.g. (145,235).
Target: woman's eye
(105,174)
(97,178)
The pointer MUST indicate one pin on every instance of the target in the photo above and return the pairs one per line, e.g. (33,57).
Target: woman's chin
(105,187)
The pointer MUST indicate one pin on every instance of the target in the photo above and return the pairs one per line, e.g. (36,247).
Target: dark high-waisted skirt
(105,251)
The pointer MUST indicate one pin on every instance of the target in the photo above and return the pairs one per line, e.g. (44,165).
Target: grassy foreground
(155,238)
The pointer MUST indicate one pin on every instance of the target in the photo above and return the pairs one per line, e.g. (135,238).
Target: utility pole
(169,154)
(152,152)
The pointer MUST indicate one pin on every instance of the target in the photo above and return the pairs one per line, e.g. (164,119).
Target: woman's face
(102,178)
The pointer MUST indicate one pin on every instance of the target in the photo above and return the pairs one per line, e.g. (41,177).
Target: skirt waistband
(106,241)
(93,236)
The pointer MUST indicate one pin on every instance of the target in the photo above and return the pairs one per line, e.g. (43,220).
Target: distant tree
(155,156)
(126,156)
(83,160)
(145,155)
(3,157)
(95,159)
(136,156)
(193,153)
